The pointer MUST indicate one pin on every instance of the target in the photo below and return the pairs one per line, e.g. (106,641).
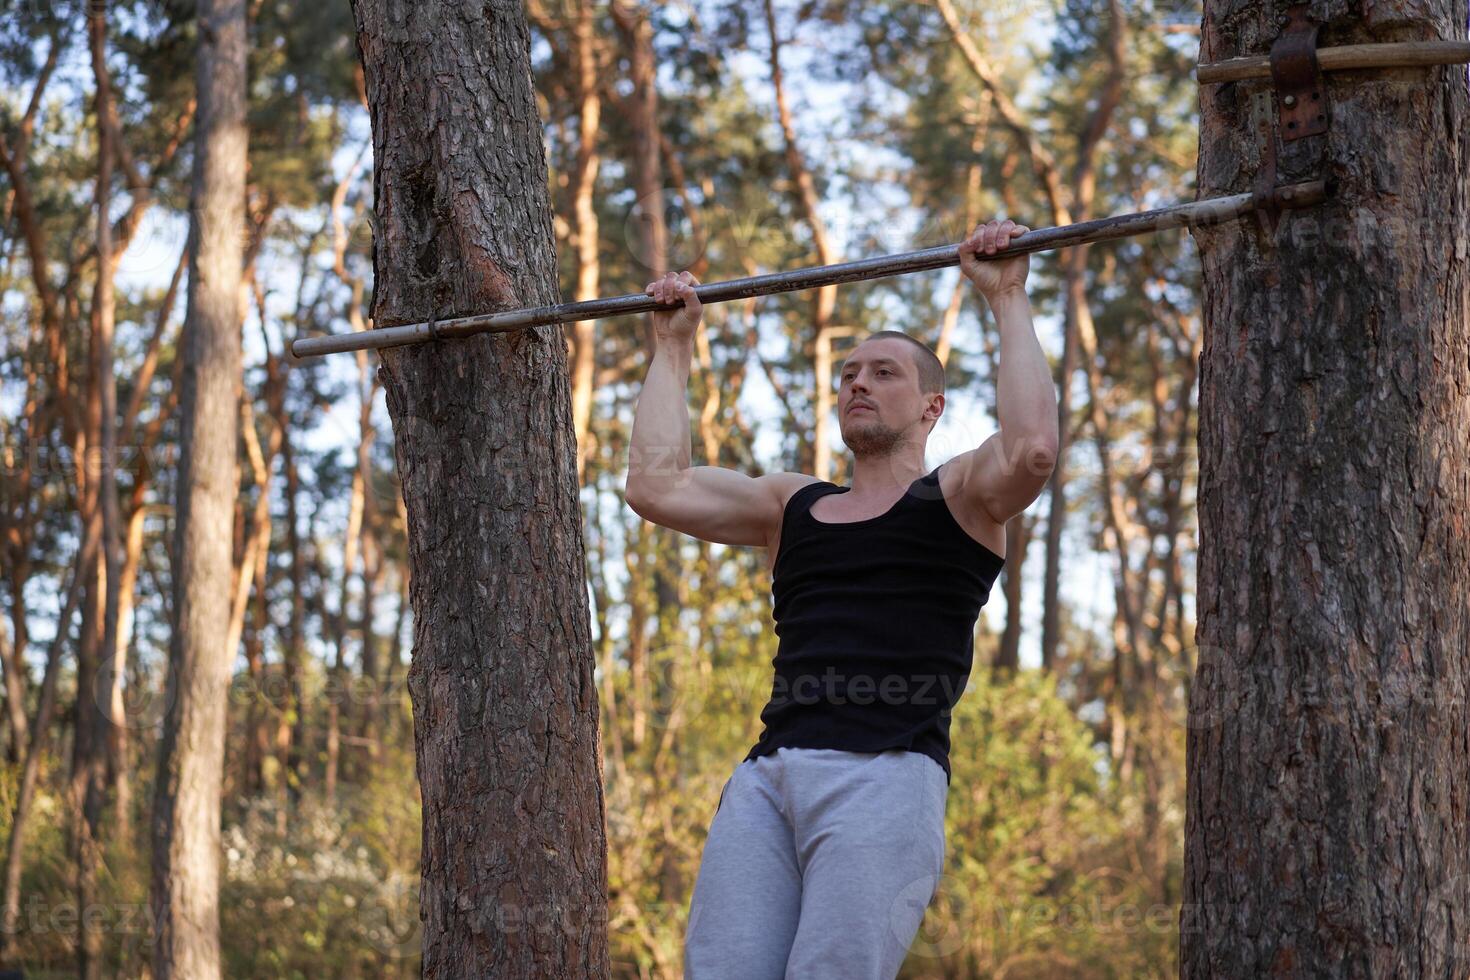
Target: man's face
(879,404)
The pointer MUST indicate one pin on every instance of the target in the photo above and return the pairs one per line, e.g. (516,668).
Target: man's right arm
(708,502)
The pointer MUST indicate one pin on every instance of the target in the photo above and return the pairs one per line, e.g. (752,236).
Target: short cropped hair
(931,370)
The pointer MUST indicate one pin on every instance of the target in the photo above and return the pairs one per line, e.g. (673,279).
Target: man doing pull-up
(828,841)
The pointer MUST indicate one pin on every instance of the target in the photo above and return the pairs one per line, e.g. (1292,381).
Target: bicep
(1002,481)
(718,504)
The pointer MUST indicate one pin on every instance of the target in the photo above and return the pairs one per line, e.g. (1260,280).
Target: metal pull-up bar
(1195,214)
(1211,211)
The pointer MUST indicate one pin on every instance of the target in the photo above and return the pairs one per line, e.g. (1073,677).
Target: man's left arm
(1009,469)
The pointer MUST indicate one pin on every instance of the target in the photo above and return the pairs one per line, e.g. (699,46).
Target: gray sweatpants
(819,863)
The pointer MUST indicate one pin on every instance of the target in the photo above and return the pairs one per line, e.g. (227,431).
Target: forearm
(1026,398)
(660,443)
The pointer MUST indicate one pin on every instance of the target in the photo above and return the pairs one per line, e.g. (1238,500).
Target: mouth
(859,408)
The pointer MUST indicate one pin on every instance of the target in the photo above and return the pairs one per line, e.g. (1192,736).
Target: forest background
(727,138)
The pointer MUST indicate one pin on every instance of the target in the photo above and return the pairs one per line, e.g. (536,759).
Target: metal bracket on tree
(1300,105)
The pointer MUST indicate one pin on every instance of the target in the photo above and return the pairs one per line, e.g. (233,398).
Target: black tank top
(876,620)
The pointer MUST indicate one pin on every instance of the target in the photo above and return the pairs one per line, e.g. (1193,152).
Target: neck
(881,477)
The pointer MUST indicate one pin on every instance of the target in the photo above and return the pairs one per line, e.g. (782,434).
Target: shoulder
(784,486)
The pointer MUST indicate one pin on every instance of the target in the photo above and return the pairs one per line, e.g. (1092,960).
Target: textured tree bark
(1326,829)
(186,806)
(514,879)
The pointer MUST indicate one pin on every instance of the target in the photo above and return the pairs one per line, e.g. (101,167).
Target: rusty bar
(1211,211)
(1400,54)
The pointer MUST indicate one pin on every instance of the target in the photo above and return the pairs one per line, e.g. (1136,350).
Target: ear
(934,409)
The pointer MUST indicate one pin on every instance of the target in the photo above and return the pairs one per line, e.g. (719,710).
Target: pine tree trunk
(89,726)
(1051,597)
(584,216)
(824,300)
(291,728)
(1326,829)
(11,674)
(1018,538)
(641,109)
(104,317)
(186,808)
(505,709)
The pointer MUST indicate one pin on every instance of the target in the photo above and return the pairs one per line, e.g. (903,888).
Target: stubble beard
(873,439)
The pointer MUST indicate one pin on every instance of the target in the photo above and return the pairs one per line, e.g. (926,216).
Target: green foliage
(336,895)
(329,888)
(1031,886)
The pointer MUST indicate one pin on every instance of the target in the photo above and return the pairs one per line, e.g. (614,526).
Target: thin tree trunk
(972,203)
(1057,494)
(505,706)
(119,776)
(99,622)
(374,568)
(251,581)
(359,517)
(120,756)
(40,730)
(186,821)
(12,663)
(337,672)
(289,723)
(89,750)
(584,183)
(1018,537)
(106,377)
(641,108)
(257,741)
(290,727)
(1326,832)
(824,301)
